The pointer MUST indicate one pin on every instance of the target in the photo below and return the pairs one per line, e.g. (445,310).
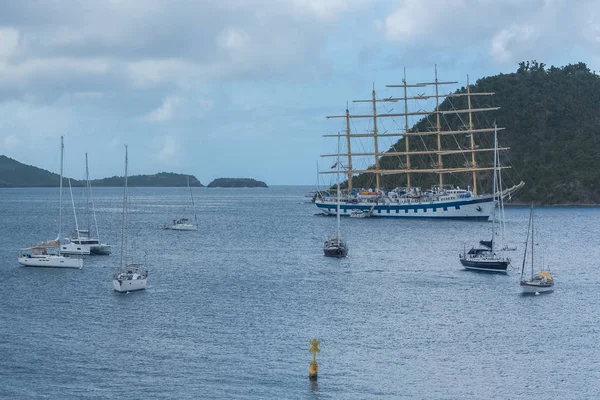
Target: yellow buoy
(314,367)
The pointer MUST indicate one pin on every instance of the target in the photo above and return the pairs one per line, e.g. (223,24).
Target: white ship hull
(477,207)
(51,261)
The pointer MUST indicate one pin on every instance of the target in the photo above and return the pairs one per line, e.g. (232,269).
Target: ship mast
(377,174)
(349,150)
(473,163)
(406,130)
(439,151)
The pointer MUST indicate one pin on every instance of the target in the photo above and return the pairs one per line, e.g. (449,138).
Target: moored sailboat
(442,200)
(335,246)
(39,256)
(540,282)
(489,256)
(130,277)
(184,224)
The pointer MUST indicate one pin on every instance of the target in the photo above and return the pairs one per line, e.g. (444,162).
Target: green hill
(236,183)
(552,128)
(16,174)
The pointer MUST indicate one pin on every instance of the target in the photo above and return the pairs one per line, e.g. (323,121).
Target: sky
(241,88)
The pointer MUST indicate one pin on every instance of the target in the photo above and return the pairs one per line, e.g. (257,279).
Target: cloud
(518,30)
(165,111)
(10,142)
(170,150)
(9,41)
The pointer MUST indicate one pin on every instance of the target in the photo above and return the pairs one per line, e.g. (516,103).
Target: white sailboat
(130,277)
(39,256)
(540,282)
(335,246)
(184,224)
(82,241)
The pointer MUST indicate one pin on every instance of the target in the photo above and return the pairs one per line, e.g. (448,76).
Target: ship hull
(532,288)
(485,266)
(477,208)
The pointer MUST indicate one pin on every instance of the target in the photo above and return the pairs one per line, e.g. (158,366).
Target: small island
(237,183)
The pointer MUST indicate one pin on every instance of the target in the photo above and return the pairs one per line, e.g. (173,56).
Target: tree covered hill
(552,121)
(236,183)
(16,174)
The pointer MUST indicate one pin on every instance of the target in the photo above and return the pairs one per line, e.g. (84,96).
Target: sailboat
(82,240)
(417,158)
(184,224)
(39,256)
(335,246)
(540,282)
(130,277)
(488,257)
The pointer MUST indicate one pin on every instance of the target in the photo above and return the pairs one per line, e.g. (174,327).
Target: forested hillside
(16,174)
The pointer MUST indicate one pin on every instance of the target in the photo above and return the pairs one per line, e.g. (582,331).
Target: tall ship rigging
(451,152)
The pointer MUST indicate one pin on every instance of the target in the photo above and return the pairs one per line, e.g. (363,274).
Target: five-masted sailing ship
(442,200)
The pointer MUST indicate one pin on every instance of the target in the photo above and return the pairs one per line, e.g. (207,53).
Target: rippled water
(230,308)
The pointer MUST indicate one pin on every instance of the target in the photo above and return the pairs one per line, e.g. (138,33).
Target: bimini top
(545,274)
(37,251)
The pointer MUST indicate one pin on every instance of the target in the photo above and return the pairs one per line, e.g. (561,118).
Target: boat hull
(129,285)
(101,249)
(498,266)
(532,288)
(478,208)
(183,227)
(52,262)
(338,252)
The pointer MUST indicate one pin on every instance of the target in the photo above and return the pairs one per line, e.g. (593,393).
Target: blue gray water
(229,309)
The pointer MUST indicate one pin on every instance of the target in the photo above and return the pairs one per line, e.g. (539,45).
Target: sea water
(230,308)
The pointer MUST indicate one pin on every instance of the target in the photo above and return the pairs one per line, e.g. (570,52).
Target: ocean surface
(230,308)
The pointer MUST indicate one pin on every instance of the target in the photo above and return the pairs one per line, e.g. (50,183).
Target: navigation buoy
(314,367)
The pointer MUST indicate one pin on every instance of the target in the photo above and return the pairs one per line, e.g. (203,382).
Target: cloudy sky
(241,88)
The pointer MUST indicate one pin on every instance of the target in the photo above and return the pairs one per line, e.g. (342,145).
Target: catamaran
(39,256)
(409,201)
(81,241)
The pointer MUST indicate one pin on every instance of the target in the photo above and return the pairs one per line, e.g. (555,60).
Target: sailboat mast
(473,164)
(438,127)
(62,149)
(74,212)
(375,139)
(495,190)
(349,148)
(192,196)
(532,241)
(87,180)
(526,242)
(91,197)
(338,191)
(406,131)
(123,238)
